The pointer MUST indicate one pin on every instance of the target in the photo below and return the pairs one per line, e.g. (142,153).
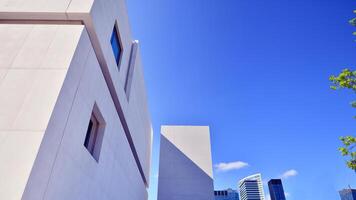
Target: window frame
(118,36)
(95,133)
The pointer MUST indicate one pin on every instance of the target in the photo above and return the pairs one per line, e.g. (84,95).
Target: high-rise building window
(94,134)
(116,45)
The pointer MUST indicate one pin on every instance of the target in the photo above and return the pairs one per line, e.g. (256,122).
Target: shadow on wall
(179,177)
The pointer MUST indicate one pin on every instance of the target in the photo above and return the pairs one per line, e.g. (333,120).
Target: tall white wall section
(185,169)
(32,76)
(56,63)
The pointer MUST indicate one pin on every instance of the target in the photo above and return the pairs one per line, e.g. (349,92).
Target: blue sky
(257,73)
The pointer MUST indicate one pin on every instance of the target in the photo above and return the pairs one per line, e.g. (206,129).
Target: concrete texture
(185,169)
(56,62)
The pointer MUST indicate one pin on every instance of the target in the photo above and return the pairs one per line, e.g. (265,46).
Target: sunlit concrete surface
(56,63)
(185,169)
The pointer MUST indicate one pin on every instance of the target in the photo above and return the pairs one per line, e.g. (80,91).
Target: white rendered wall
(75,173)
(31,77)
(99,18)
(185,169)
(51,73)
(105,15)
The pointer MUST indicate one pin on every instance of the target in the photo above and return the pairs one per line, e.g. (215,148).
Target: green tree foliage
(347,80)
(353,22)
(349,150)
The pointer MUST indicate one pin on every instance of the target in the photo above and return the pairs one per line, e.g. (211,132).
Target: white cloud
(286,194)
(289,173)
(230,166)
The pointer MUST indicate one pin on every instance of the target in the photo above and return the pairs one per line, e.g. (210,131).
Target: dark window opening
(116,45)
(94,134)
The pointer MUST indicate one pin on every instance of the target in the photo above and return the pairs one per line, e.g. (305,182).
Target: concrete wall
(51,74)
(185,169)
(99,18)
(75,174)
(31,80)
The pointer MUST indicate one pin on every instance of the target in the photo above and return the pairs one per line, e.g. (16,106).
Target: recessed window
(116,45)
(94,134)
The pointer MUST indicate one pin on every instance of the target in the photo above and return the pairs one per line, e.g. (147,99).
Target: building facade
(276,190)
(251,188)
(228,194)
(185,164)
(74,122)
(348,194)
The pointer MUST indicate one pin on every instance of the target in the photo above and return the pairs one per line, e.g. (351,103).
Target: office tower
(228,194)
(185,168)
(276,189)
(74,123)
(348,194)
(251,188)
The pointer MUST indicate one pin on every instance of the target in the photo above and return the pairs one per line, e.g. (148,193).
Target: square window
(94,134)
(116,45)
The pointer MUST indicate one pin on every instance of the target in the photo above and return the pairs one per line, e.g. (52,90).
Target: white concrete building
(251,188)
(185,168)
(74,122)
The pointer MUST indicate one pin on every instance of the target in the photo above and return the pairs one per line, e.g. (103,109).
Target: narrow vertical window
(94,134)
(116,45)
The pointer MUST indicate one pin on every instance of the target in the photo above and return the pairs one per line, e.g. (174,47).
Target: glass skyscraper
(276,189)
(348,194)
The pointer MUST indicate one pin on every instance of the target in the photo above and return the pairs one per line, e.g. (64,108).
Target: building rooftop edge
(250,177)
